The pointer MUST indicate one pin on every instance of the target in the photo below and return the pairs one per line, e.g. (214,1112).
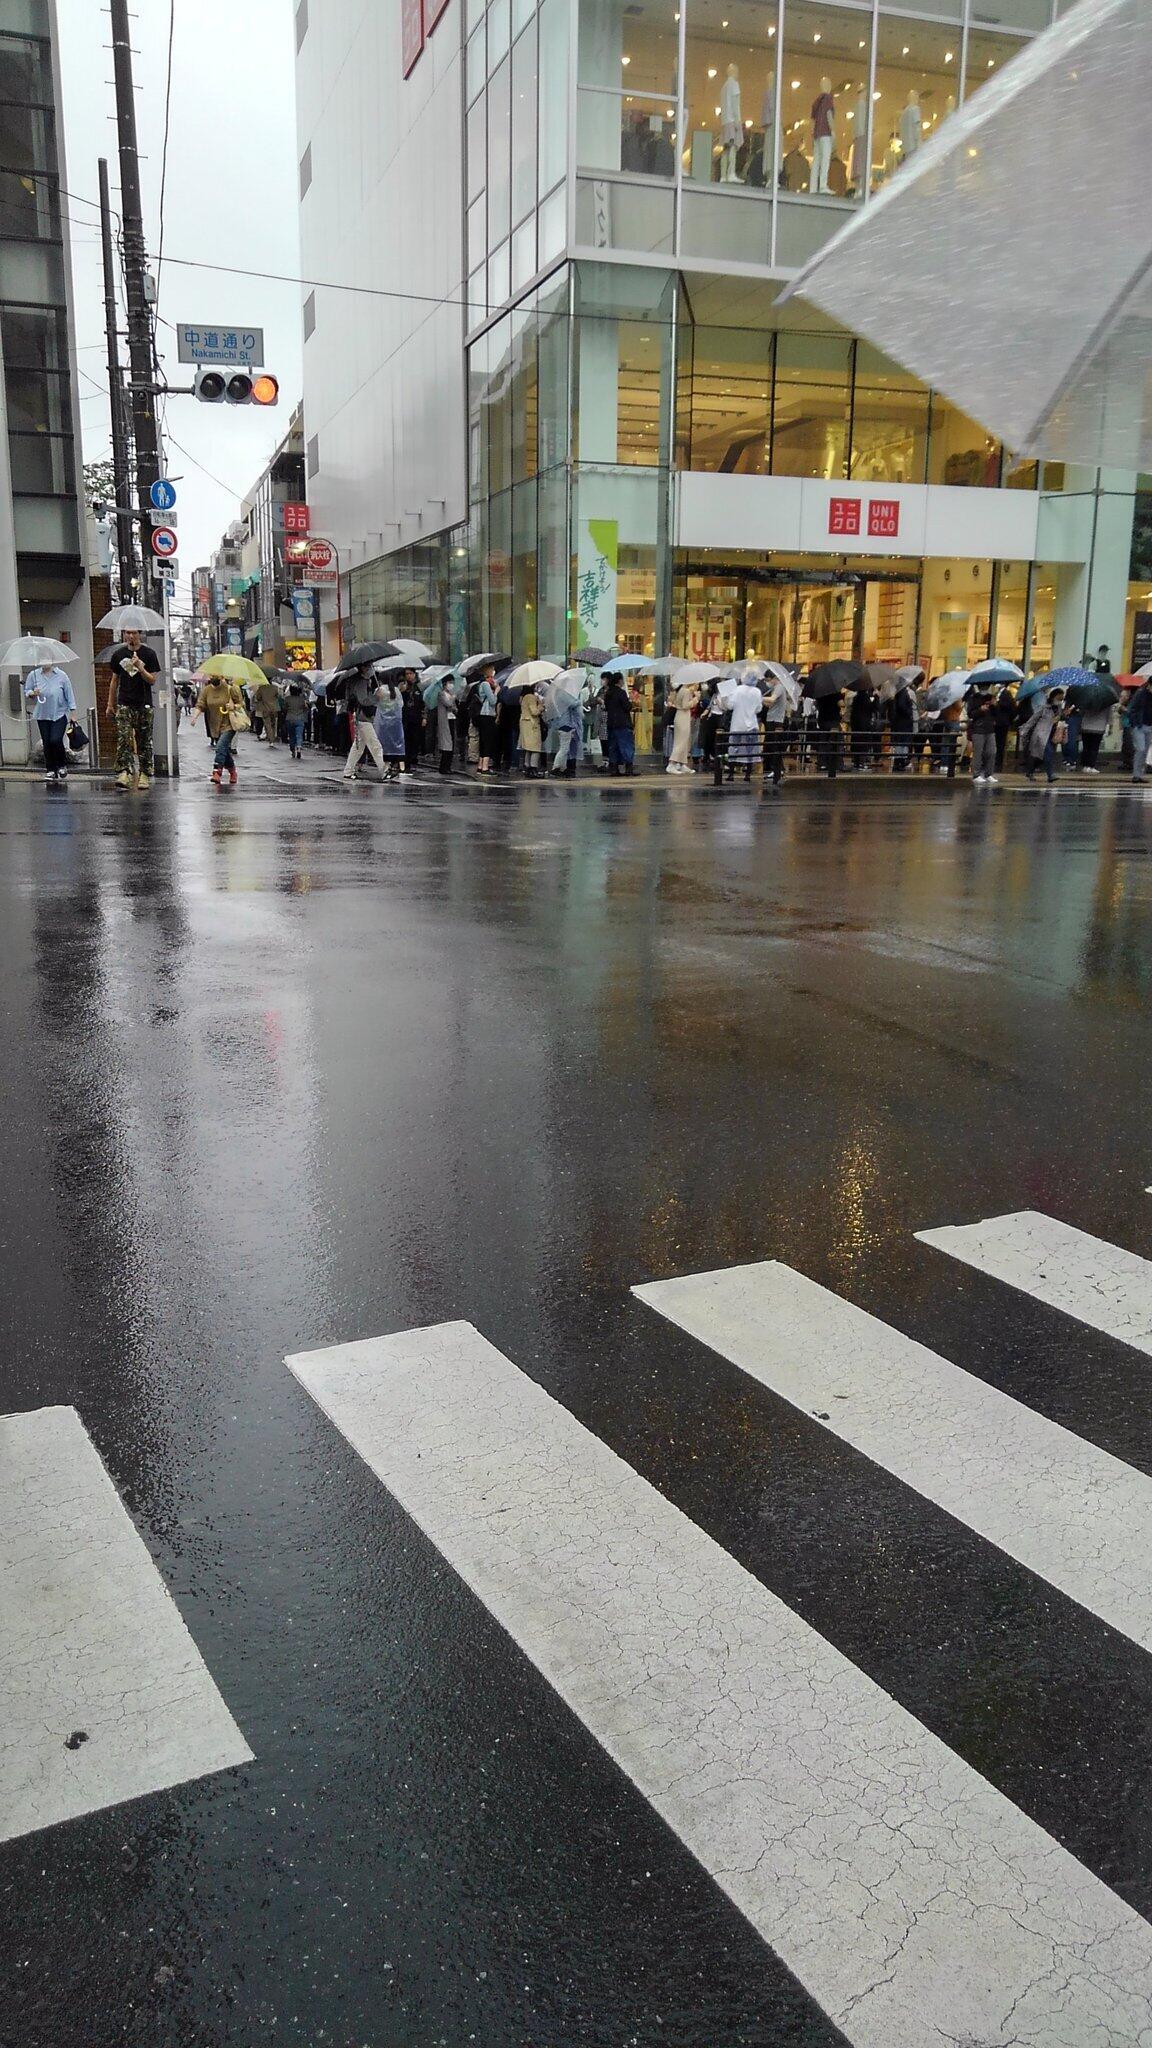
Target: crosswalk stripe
(1076,1516)
(105,1695)
(1098,1283)
(913,1900)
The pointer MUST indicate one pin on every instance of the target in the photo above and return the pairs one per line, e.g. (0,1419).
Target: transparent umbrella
(132,618)
(31,649)
(1048,350)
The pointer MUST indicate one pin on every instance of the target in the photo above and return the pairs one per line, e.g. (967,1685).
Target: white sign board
(213,343)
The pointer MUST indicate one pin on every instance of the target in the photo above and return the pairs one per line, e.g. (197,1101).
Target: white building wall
(383,376)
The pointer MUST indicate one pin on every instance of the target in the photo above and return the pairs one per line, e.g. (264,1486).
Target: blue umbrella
(996,671)
(625,664)
(1056,679)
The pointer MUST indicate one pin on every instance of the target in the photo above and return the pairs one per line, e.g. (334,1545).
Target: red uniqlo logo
(844,515)
(295,518)
(884,518)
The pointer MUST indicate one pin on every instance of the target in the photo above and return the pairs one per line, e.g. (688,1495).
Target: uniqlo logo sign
(844,515)
(884,518)
(295,518)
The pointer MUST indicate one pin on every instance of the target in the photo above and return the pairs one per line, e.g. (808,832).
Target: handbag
(77,737)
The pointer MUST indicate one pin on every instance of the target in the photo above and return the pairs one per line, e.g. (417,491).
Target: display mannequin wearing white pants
(821,159)
(366,739)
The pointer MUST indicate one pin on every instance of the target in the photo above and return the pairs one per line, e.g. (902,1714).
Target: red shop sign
(844,515)
(884,518)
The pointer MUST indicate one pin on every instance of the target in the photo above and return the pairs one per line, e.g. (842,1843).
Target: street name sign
(213,343)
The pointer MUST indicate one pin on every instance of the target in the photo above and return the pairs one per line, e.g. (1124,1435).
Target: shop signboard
(843,515)
(596,563)
(289,518)
(1141,639)
(300,653)
(884,518)
(319,562)
(233,639)
(411,32)
(303,609)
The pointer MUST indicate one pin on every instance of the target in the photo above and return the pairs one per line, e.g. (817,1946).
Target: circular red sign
(320,554)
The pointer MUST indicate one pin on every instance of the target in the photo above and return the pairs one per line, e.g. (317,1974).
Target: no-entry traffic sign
(164,541)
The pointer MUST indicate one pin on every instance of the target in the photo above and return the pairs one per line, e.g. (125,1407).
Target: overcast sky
(230,198)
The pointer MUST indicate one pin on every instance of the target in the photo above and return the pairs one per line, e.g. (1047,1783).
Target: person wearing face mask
(134,669)
(50,696)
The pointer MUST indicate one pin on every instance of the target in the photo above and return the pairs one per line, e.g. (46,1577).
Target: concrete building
(568,408)
(44,544)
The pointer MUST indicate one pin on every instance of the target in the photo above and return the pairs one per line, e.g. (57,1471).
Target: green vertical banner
(596,563)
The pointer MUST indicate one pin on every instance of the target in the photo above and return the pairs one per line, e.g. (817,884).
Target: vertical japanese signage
(411,32)
(843,515)
(596,561)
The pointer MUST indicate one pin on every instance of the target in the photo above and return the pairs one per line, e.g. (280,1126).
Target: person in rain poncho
(685,699)
(567,728)
(389,723)
(446,726)
(531,737)
(1040,737)
(747,702)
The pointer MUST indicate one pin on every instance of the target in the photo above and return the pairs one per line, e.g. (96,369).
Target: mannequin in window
(911,120)
(858,159)
(823,136)
(731,126)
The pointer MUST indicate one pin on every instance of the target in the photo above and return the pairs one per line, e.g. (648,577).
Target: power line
(323,284)
(231,489)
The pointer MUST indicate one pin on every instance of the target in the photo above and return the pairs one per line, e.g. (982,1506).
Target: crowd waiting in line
(405,712)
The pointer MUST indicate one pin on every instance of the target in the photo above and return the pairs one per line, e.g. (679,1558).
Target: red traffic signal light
(236,387)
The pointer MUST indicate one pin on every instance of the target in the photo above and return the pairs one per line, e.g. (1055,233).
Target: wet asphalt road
(285,1069)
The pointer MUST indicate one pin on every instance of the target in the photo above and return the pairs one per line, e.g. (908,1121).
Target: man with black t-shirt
(133,668)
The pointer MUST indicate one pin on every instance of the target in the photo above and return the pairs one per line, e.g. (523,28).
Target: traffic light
(236,387)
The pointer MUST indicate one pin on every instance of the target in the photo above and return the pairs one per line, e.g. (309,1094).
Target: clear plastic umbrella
(997,671)
(1047,159)
(664,665)
(33,648)
(415,648)
(946,691)
(131,618)
(531,675)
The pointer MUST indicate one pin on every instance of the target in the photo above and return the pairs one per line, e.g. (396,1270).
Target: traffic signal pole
(141,353)
(125,544)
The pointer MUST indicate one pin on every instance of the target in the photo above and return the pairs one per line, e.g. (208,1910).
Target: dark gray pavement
(286,1067)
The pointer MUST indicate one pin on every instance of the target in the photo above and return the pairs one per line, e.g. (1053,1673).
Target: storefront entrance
(796,615)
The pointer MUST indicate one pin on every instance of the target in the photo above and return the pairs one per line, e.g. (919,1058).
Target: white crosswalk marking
(105,1695)
(916,1904)
(1098,1283)
(1078,1517)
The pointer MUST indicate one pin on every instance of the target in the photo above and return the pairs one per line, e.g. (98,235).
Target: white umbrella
(912,674)
(1002,671)
(1023,231)
(698,672)
(132,618)
(416,648)
(1144,672)
(530,675)
(664,665)
(31,649)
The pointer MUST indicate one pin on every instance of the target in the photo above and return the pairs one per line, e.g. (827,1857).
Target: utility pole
(125,545)
(141,354)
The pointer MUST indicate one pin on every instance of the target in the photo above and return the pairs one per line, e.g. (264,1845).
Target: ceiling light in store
(723,24)
(668,113)
(625,60)
(795,85)
(816,37)
(947,56)
(861,43)
(991,63)
(771,31)
(904,51)
(712,71)
(973,152)
(875,95)
(717,112)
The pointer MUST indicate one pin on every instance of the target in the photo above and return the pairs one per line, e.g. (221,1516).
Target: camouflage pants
(133,729)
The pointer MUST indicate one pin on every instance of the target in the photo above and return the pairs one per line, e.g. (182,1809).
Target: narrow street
(783,1677)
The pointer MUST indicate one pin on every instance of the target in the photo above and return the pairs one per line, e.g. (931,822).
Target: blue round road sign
(163,495)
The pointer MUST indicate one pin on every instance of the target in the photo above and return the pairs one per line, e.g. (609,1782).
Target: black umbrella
(364,654)
(474,662)
(830,677)
(1094,696)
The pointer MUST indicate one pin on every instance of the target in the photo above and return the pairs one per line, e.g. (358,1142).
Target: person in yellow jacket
(223,707)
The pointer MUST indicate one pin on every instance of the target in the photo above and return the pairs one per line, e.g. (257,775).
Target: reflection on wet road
(285,1072)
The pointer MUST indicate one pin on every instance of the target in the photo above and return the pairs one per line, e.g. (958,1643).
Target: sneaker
(124,781)
(61,775)
(1091,771)
(50,778)
(143,782)
(991,778)
(351,778)
(979,778)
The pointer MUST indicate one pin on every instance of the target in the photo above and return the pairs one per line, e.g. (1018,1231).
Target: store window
(477,146)
(731,400)
(1032,15)
(824,101)
(730,94)
(889,421)
(553,406)
(988,53)
(499,155)
(523,394)
(499,31)
(524,642)
(955,614)
(810,407)
(1011,611)
(1045,583)
(917,88)
(960,451)
(627,78)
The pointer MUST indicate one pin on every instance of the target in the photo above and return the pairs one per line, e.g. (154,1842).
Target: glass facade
(33,315)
